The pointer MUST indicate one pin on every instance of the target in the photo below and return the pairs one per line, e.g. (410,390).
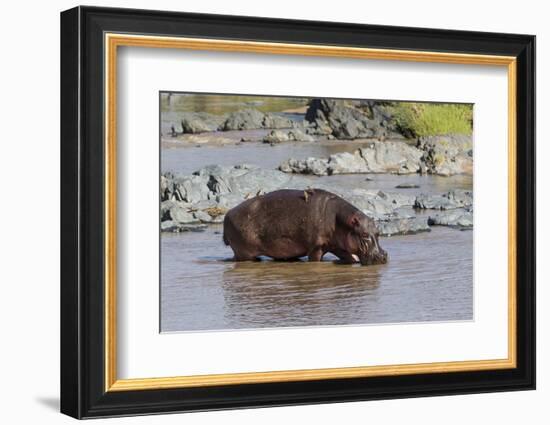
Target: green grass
(432,119)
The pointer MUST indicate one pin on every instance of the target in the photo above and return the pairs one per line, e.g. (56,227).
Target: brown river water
(429,276)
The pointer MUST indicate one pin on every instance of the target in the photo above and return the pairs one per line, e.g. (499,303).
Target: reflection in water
(428,278)
(307,293)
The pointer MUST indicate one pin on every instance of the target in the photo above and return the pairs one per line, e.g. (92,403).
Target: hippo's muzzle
(371,252)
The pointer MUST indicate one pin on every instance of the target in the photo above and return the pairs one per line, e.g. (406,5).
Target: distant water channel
(428,277)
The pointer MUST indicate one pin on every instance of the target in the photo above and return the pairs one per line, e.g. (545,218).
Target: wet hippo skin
(289,224)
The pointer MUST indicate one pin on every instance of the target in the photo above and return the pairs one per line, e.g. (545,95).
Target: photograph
(281,212)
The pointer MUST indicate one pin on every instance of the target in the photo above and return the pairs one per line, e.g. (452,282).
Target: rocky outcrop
(402,226)
(447,155)
(189,202)
(276,121)
(246,119)
(294,135)
(378,157)
(350,119)
(451,200)
(200,122)
(315,166)
(458,218)
(454,208)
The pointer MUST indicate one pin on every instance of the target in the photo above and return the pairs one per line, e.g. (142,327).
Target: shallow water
(428,278)
(224,103)
(186,160)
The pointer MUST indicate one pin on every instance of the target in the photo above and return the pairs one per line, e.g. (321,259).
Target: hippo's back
(284,213)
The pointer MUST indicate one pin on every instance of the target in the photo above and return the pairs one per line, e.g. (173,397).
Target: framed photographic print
(261,212)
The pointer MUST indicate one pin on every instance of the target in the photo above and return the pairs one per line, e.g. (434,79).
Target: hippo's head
(364,240)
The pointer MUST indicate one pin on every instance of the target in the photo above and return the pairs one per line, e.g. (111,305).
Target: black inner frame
(82,206)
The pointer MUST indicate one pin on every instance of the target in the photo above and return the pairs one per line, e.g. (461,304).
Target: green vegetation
(430,119)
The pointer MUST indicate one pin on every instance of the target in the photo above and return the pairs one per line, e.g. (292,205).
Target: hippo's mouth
(356,258)
(379,258)
(371,253)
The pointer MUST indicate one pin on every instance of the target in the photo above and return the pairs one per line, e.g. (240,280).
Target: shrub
(431,119)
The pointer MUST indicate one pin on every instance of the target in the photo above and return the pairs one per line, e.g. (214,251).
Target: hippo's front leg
(345,257)
(316,254)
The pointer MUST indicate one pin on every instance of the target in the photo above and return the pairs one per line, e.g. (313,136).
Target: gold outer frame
(113,41)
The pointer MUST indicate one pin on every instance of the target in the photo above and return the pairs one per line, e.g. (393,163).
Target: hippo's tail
(225,240)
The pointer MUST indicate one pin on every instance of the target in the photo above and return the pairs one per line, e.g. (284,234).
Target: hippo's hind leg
(244,255)
(243,248)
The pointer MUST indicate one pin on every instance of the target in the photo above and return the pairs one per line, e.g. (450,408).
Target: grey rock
(168,226)
(220,178)
(407,186)
(229,200)
(165,207)
(202,216)
(294,135)
(277,136)
(181,214)
(298,135)
(402,226)
(405,212)
(246,119)
(218,218)
(191,188)
(453,199)
(367,201)
(447,155)
(347,163)
(193,228)
(391,157)
(322,128)
(463,198)
(276,121)
(205,204)
(458,218)
(165,188)
(378,157)
(316,166)
(435,202)
(255,180)
(173,227)
(349,119)
(398,199)
(341,117)
(200,122)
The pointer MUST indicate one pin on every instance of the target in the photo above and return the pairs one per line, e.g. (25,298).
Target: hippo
(289,224)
